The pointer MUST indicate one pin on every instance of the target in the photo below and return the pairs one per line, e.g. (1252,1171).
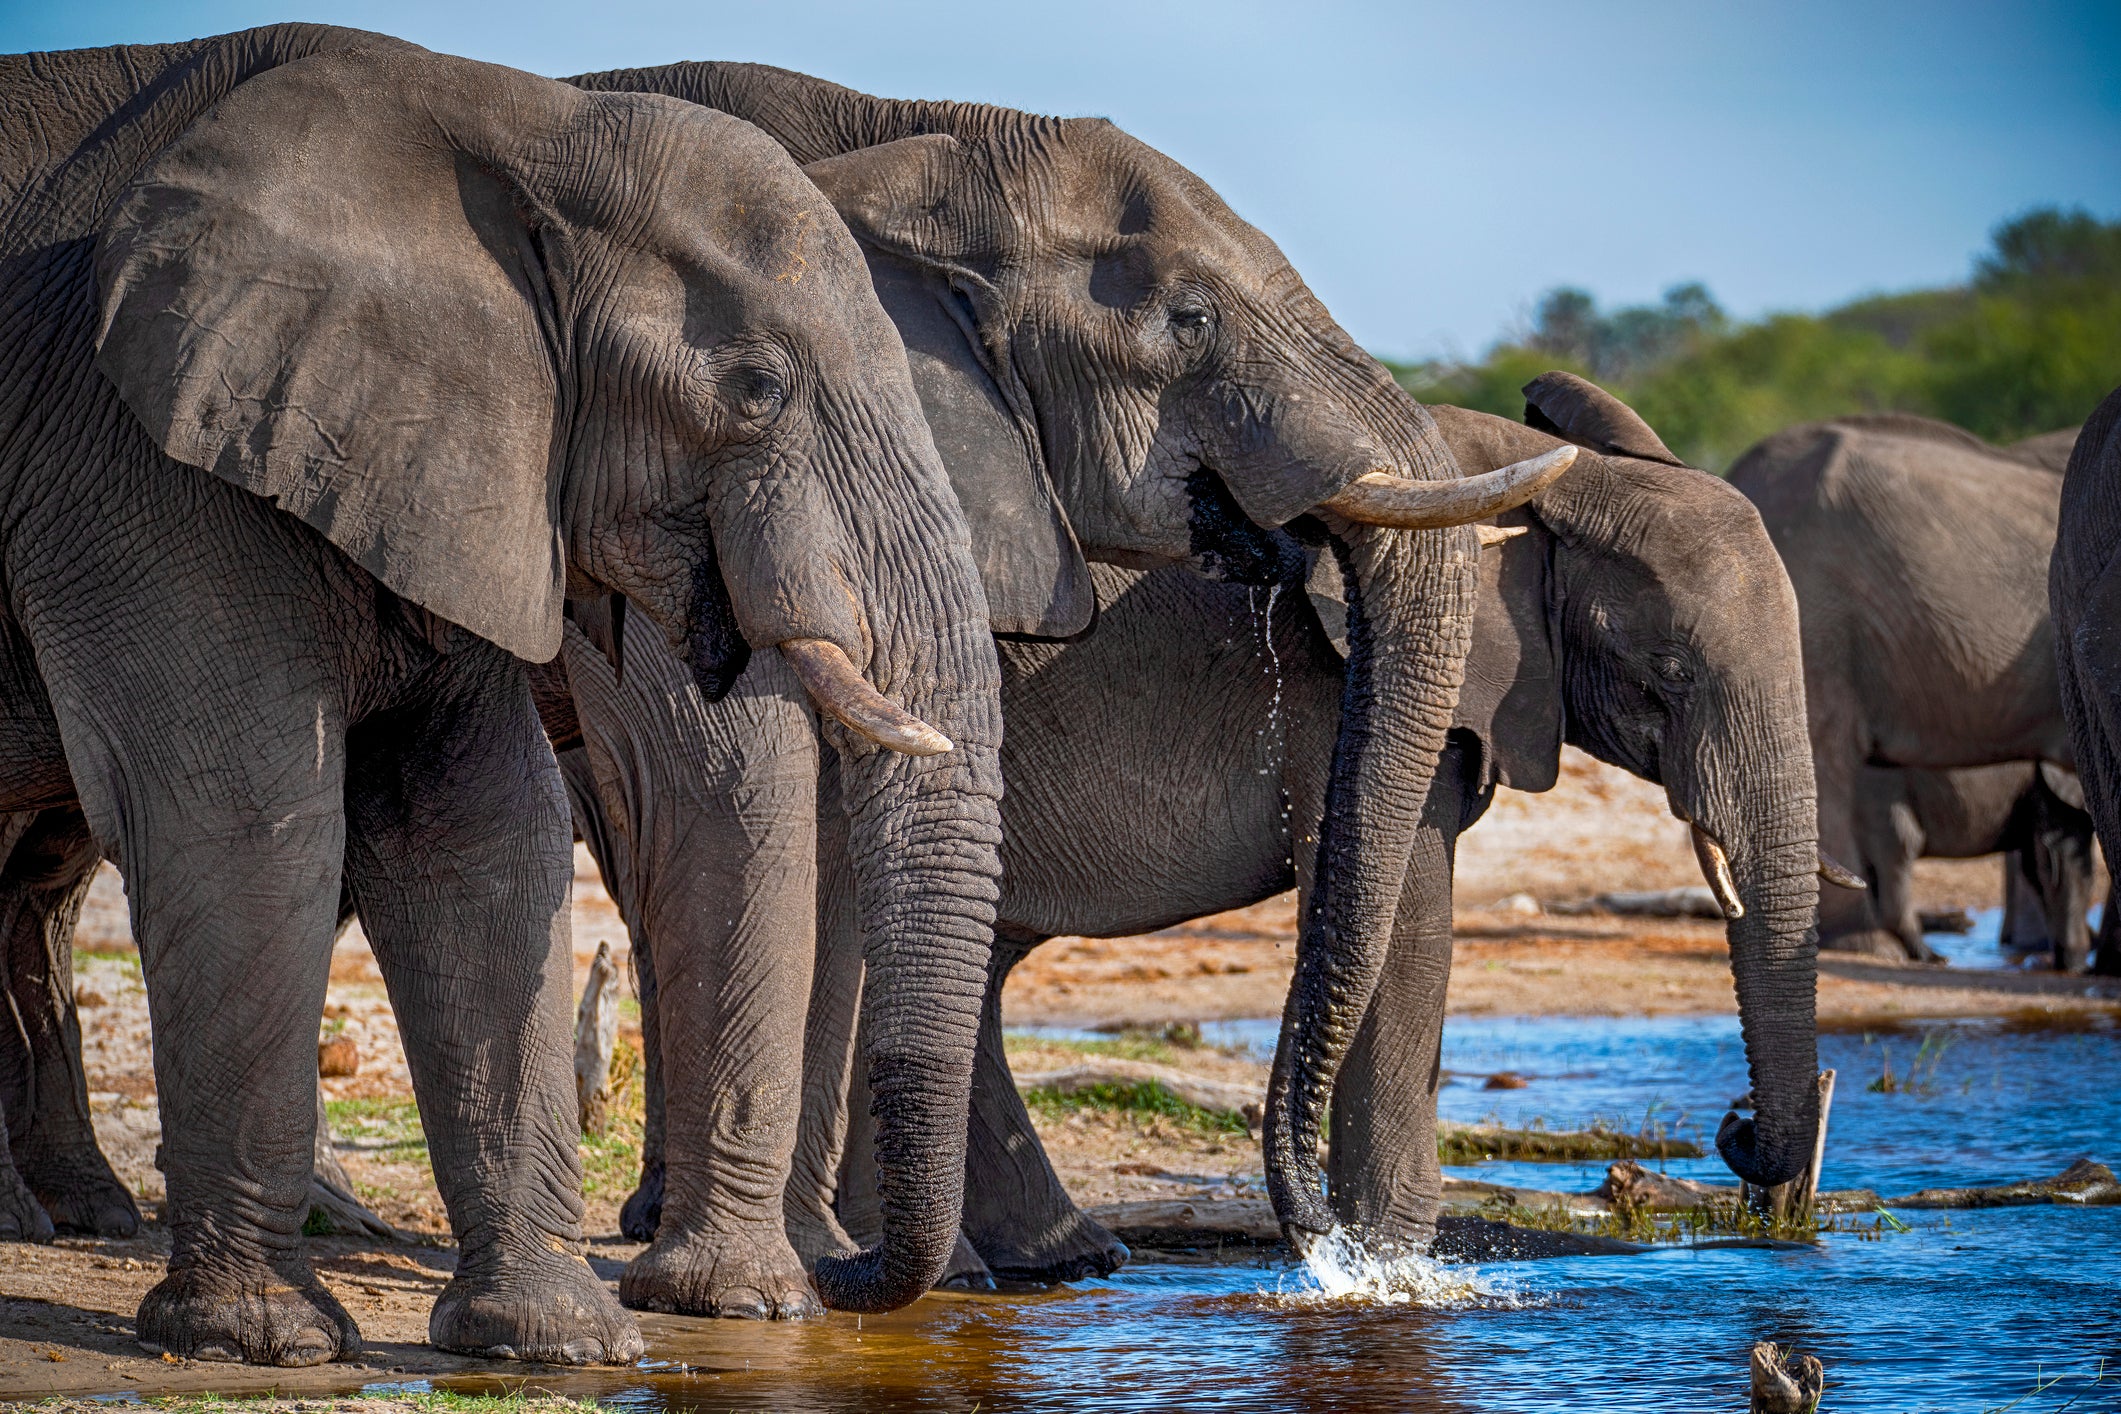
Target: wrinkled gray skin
(486,339)
(1116,368)
(2084,589)
(1644,617)
(2033,814)
(1919,555)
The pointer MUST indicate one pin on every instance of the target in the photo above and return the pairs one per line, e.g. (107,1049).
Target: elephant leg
(2024,926)
(1848,793)
(1886,839)
(2062,866)
(459,859)
(595,826)
(52,1137)
(718,803)
(1384,1175)
(1017,1214)
(2106,962)
(231,858)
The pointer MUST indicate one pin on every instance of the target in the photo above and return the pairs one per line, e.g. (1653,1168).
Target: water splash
(1338,1270)
(1275,738)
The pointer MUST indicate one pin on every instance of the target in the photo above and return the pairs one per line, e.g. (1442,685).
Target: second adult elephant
(1919,555)
(1114,367)
(2084,592)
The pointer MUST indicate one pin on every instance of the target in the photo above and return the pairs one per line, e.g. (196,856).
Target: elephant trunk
(1410,600)
(1751,797)
(924,841)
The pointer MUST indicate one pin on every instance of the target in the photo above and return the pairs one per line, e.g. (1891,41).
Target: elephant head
(1118,368)
(500,340)
(1647,619)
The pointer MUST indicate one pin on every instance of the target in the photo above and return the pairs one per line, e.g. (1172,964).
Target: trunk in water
(1774,961)
(1410,603)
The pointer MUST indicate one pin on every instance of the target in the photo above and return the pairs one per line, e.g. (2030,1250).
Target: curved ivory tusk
(1497,534)
(1380,498)
(1717,870)
(847,696)
(1836,873)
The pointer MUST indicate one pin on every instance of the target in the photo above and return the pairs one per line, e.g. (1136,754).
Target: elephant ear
(319,293)
(1512,696)
(2064,784)
(896,199)
(1580,411)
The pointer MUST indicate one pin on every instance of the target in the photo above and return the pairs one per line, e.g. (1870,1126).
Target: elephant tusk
(846,695)
(1835,872)
(1717,870)
(1498,534)
(1380,498)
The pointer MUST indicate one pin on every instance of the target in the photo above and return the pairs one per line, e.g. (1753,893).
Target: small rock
(86,996)
(1522,904)
(1505,1080)
(338,1056)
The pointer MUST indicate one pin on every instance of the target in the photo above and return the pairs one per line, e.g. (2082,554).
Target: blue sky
(1432,168)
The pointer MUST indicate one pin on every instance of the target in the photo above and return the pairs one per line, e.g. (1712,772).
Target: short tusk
(1380,498)
(1836,873)
(1717,870)
(1497,534)
(847,696)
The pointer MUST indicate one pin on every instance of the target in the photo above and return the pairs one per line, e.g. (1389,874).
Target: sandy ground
(66,1309)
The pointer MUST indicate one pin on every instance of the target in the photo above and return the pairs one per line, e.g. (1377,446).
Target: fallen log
(1694,902)
(1629,1183)
(2083,1183)
(1785,1383)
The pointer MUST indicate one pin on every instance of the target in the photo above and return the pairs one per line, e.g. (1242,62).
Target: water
(1982,946)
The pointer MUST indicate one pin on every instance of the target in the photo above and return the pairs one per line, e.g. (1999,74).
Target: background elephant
(2084,591)
(1918,553)
(483,338)
(1642,615)
(2032,814)
(1128,372)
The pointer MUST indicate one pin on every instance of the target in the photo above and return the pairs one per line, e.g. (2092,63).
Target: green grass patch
(387,1130)
(1630,1223)
(1456,1145)
(1141,1099)
(611,1161)
(1164,1045)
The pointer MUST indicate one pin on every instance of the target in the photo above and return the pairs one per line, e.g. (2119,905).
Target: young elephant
(1919,554)
(2084,593)
(1643,616)
(1114,367)
(306,426)
(2031,813)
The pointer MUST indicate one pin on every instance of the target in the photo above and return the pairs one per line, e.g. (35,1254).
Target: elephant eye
(760,394)
(1673,669)
(1189,323)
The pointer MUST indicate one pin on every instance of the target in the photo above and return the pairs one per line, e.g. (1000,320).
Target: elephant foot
(966,1272)
(552,1311)
(743,1276)
(88,1203)
(22,1217)
(643,1211)
(1074,1248)
(277,1315)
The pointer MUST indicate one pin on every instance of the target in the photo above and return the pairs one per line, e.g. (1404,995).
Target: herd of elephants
(409,465)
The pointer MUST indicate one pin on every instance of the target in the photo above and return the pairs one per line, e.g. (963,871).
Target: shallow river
(1965,1311)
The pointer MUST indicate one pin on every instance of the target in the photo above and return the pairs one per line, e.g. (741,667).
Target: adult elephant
(1154,771)
(1115,368)
(305,429)
(2084,592)
(2031,813)
(1919,556)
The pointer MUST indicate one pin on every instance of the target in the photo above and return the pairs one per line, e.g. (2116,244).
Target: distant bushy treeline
(2031,343)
